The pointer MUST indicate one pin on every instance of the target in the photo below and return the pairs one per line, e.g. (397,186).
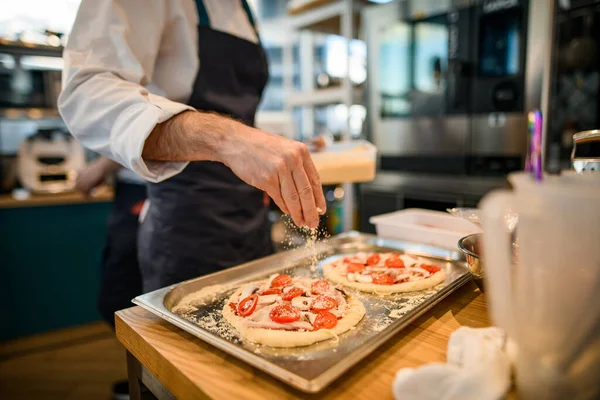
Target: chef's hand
(281,167)
(274,164)
(93,174)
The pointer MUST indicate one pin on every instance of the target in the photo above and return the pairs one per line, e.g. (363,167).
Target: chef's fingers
(315,182)
(281,204)
(307,198)
(275,194)
(291,197)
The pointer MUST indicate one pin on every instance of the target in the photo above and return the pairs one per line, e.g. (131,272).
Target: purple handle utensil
(533,162)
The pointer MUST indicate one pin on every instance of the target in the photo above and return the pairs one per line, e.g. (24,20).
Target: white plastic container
(346,162)
(424,226)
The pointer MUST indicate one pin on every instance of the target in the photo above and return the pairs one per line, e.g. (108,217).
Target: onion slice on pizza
(384,273)
(285,311)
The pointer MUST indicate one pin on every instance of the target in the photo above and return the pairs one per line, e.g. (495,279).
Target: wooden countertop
(190,368)
(102,194)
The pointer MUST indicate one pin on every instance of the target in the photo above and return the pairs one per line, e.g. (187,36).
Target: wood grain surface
(191,368)
(70,364)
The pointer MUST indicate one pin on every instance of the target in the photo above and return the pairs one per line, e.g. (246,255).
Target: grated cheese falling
(310,238)
(309,246)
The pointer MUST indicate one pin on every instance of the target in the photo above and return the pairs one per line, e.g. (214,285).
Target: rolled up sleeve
(109,60)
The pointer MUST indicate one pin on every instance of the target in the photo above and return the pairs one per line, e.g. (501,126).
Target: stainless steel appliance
(574,87)
(450,83)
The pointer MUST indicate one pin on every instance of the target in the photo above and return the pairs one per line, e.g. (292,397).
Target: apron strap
(249,14)
(204,19)
(251,19)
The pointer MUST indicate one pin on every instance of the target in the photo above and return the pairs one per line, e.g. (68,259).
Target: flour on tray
(192,301)
(203,308)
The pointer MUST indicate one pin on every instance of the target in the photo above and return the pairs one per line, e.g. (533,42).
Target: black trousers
(120,279)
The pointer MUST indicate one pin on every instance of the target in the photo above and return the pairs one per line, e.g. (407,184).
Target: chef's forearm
(191,136)
(108,166)
(278,166)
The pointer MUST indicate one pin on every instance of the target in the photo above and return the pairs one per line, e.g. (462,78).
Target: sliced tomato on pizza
(283,304)
(397,272)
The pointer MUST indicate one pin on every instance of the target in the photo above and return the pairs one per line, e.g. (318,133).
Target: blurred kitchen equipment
(324,80)
(8,173)
(547,297)
(473,215)
(471,246)
(48,162)
(586,151)
(574,90)
(346,162)
(483,63)
(334,196)
(582,51)
(275,122)
(470,214)
(449,88)
(29,85)
(423,226)
(32,38)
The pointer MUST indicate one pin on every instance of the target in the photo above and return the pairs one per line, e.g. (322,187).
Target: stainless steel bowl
(471,246)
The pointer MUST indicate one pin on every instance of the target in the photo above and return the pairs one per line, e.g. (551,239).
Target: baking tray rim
(154,303)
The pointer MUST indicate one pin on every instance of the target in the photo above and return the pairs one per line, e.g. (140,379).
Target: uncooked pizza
(289,312)
(384,273)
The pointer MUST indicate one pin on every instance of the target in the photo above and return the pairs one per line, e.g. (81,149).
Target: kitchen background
(441,87)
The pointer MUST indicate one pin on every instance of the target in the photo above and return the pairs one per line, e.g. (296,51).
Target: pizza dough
(412,276)
(261,329)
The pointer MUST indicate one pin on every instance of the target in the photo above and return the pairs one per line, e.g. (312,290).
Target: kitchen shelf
(296,7)
(28,113)
(102,194)
(29,49)
(325,18)
(322,97)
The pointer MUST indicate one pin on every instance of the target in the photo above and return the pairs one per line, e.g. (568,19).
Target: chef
(169,89)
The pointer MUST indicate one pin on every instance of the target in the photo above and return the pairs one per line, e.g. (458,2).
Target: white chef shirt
(128,176)
(131,64)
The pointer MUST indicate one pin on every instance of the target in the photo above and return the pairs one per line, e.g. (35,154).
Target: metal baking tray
(309,368)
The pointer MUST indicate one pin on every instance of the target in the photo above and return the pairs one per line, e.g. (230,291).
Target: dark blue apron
(206,219)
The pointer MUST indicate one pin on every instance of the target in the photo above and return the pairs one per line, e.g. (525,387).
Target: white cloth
(130,64)
(477,368)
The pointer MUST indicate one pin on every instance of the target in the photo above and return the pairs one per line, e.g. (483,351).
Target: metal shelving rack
(29,49)
(336,17)
(18,50)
